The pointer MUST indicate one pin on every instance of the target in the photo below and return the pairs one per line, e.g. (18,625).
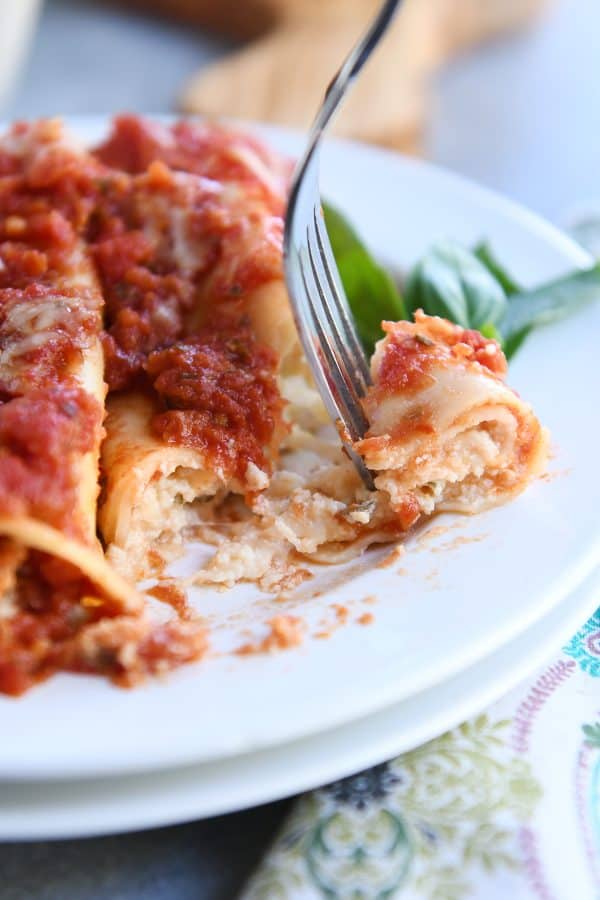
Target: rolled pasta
(446,433)
(211,425)
(62,605)
(197,325)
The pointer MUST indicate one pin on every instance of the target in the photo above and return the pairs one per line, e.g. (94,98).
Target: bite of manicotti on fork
(446,434)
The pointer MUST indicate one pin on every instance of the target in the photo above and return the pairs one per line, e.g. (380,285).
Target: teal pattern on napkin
(505,806)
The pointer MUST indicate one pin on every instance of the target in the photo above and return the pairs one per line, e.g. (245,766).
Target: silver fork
(320,307)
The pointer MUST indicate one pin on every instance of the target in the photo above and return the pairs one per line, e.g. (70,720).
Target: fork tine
(341,317)
(329,314)
(339,395)
(346,399)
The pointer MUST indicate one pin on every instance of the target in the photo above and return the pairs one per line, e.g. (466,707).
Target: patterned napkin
(505,806)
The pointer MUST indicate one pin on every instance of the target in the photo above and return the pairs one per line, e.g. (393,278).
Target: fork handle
(348,71)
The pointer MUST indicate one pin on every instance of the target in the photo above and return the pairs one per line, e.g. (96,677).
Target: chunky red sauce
(40,435)
(222,154)
(54,609)
(145,313)
(53,604)
(474,346)
(170,248)
(412,352)
(46,196)
(146,297)
(407,362)
(34,247)
(220,395)
(47,420)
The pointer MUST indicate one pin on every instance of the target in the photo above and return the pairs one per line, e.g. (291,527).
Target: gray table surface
(521,115)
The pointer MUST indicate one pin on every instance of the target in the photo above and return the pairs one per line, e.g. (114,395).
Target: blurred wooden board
(294,47)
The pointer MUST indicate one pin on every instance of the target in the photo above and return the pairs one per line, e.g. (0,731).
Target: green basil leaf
(548,303)
(371,292)
(451,282)
(486,255)
(490,331)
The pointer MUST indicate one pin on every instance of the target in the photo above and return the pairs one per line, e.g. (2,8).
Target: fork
(323,318)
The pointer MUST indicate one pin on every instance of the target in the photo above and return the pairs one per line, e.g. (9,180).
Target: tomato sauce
(412,352)
(40,433)
(197,227)
(221,154)
(51,610)
(220,395)
(55,606)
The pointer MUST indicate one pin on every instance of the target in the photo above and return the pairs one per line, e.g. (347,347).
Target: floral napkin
(505,807)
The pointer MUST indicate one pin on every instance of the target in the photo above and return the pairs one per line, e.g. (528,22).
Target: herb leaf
(371,292)
(548,303)
(486,255)
(490,331)
(451,282)
(469,288)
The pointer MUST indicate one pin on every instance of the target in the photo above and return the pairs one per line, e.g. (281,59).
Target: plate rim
(325,765)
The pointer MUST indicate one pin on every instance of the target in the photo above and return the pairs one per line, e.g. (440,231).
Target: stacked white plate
(472,606)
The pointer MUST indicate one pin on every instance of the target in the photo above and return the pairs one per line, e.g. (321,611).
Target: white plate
(512,567)
(39,811)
